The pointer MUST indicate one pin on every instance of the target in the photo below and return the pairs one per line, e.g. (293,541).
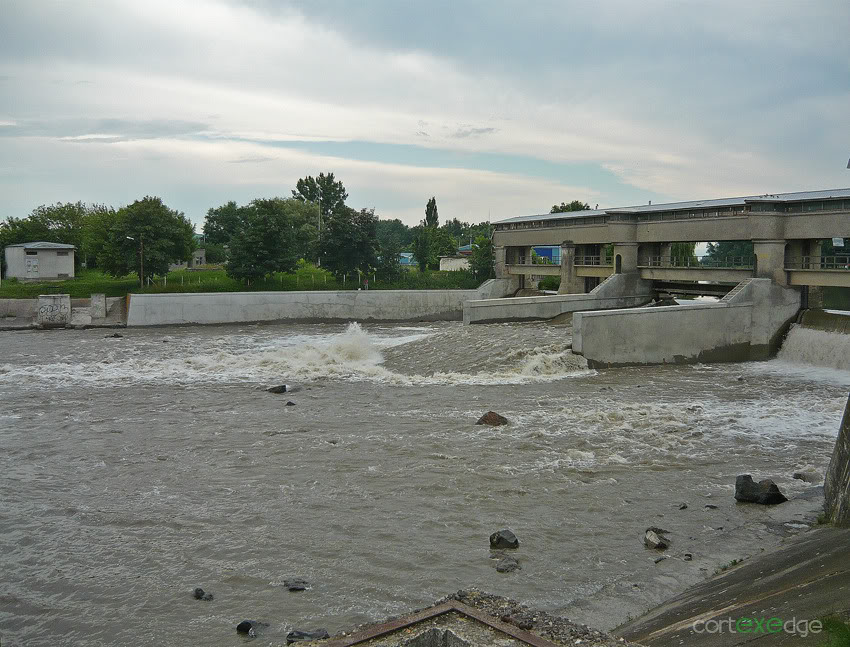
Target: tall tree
(564,207)
(394,229)
(349,242)
(144,237)
(270,237)
(389,267)
(423,247)
(431,217)
(325,191)
(482,261)
(221,223)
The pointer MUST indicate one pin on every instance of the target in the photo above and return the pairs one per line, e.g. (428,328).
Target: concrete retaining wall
(348,305)
(18,308)
(748,326)
(617,291)
(837,486)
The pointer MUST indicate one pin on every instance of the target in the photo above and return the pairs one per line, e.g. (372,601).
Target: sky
(497,109)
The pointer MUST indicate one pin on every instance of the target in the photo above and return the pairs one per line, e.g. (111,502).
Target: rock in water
(283,388)
(507,565)
(200,594)
(504,539)
(765,492)
(290,403)
(114,335)
(296,585)
(493,419)
(808,477)
(247,627)
(297,636)
(653,538)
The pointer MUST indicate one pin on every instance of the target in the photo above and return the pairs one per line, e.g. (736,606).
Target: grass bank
(216,280)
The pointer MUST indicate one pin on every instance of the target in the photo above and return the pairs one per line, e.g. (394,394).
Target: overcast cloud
(496,108)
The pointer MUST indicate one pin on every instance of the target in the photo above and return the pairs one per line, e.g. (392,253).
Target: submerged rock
(765,492)
(114,335)
(504,539)
(297,636)
(683,506)
(507,564)
(493,419)
(283,388)
(808,477)
(247,627)
(200,594)
(290,403)
(296,584)
(654,538)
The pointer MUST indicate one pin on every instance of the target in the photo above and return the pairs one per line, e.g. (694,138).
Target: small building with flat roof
(40,261)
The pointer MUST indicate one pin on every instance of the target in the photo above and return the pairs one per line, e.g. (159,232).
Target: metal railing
(587,261)
(841,262)
(699,262)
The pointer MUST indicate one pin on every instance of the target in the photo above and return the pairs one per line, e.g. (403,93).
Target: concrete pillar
(812,249)
(625,258)
(500,260)
(770,260)
(54,310)
(98,306)
(665,251)
(837,485)
(570,283)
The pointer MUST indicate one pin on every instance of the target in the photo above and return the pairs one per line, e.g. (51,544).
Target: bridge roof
(797,196)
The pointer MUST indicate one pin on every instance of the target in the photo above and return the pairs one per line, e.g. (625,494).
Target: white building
(40,261)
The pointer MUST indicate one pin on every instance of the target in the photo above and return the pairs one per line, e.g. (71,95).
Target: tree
(215,253)
(423,247)
(683,253)
(349,241)
(144,237)
(431,217)
(325,191)
(395,230)
(270,237)
(221,224)
(389,268)
(719,252)
(564,207)
(483,258)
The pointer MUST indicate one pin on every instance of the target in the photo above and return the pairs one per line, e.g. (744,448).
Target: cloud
(470,131)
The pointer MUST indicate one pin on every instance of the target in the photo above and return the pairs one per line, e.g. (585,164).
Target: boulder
(654,538)
(114,335)
(200,594)
(247,627)
(683,506)
(493,419)
(283,388)
(504,539)
(290,403)
(298,636)
(507,565)
(296,584)
(764,492)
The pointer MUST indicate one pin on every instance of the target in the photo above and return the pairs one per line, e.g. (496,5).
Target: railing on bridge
(594,261)
(841,262)
(699,262)
(522,259)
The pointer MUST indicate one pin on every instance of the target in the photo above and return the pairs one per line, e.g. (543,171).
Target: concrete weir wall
(747,325)
(347,305)
(837,486)
(617,291)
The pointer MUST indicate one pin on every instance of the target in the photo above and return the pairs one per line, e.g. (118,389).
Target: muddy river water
(133,470)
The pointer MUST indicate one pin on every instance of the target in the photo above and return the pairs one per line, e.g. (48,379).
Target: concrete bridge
(786,230)
(614,260)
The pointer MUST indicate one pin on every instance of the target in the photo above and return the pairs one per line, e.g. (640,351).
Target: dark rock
(296,584)
(683,506)
(518,621)
(507,565)
(710,506)
(200,594)
(740,378)
(764,492)
(290,404)
(283,388)
(493,419)
(114,335)
(247,627)
(654,538)
(688,557)
(297,636)
(658,560)
(504,539)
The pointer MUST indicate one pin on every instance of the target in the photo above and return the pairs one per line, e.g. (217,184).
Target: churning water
(134,469)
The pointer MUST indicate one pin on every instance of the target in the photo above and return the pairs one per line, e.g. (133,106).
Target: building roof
(43,245)
(797,196)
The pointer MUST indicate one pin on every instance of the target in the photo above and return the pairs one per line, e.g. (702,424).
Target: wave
(353,354)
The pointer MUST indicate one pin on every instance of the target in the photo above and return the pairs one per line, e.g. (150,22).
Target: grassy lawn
(216,280)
